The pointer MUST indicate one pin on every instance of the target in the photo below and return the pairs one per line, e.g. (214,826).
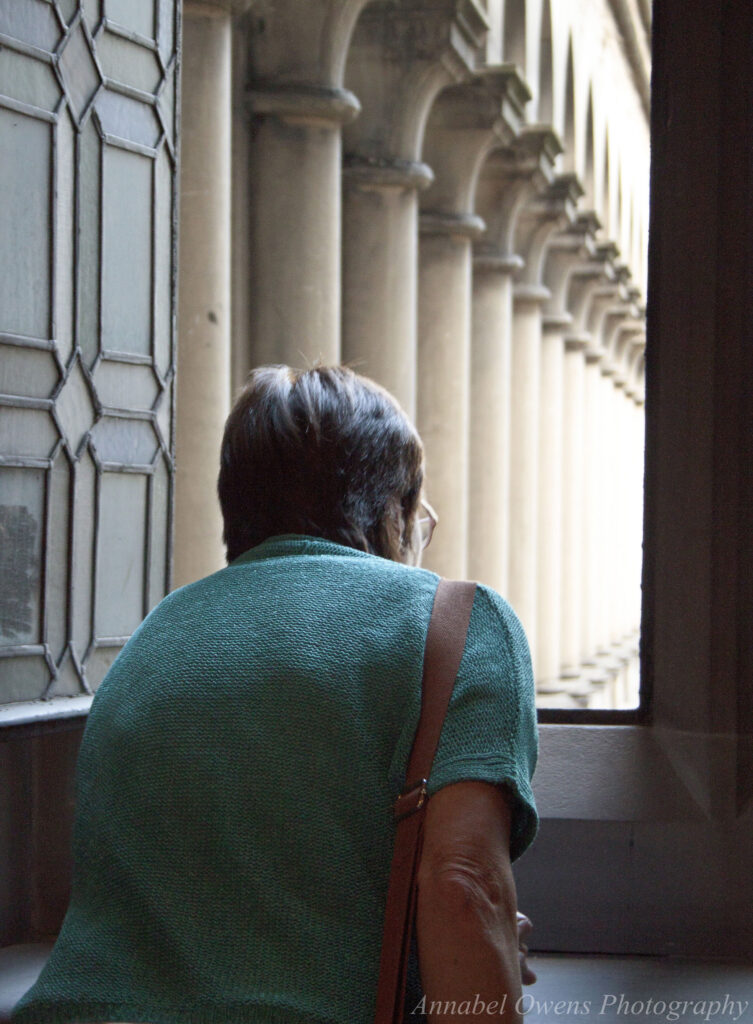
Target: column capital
(302,102)
(530,295)
(376,173)
(594,356)
(459,225)
(556,323)
(608,252)
(487,258)
(577,342)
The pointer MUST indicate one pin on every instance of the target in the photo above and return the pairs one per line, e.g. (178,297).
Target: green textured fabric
(233,831)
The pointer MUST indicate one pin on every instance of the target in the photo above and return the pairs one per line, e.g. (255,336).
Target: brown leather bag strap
(445,642)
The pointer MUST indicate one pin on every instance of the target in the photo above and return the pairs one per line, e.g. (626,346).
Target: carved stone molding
(292,102)
(387,173)
(458,225)
(466,122)
(399,59)
(543,216)
(508,178)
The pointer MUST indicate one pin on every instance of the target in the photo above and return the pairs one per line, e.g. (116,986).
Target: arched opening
(514,28)
(568,133)
(546,98)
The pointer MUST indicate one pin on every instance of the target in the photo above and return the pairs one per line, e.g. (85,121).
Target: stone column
(444,326)
(491,364)
(578,445)
(625,611)
(574,500)
(550,503)
(399,60)
(508,178)
(541,218)
(564,254)
(203,378)
(465,124)
(524,455)
(590,522)
(608,555)
(295,163)
(380,260)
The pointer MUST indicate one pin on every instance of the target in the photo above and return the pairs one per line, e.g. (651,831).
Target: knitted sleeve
(489,734)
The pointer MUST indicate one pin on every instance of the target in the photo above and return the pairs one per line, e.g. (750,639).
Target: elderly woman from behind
(233,832)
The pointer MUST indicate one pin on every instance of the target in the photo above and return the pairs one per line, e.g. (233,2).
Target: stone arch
(546,61)
(514,28)
(568,129)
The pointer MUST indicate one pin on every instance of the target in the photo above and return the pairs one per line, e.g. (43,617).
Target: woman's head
(323,452)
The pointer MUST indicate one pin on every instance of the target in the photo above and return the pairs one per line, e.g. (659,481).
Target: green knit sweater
(233,829)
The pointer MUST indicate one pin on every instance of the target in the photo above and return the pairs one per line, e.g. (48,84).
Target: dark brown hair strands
(323,452)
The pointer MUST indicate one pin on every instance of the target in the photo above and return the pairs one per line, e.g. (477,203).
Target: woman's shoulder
(492,612)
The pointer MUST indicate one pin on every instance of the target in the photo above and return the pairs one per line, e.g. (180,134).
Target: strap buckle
(413,797)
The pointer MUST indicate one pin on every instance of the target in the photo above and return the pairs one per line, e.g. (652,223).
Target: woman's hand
(527,976)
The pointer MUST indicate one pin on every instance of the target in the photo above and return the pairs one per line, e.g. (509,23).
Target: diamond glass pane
(74,408)
(25,225)
(127,252)
(78,71)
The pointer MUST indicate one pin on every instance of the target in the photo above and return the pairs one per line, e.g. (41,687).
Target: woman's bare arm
(466,915)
